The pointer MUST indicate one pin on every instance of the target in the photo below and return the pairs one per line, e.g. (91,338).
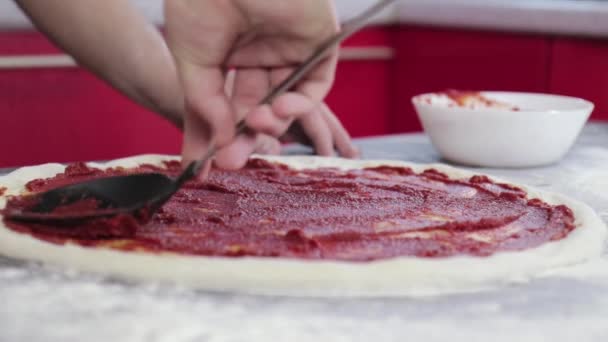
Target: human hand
(137,62)
(262,41)
(326,136)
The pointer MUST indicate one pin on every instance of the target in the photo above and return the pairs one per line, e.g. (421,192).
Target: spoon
(140,195)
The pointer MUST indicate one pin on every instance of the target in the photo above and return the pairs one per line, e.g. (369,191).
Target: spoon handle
(302,70)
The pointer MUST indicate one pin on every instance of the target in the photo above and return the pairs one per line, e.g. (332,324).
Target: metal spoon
(141,195)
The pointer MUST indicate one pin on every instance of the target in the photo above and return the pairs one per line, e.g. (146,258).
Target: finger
(342,140)
(317,82)
(319,133)
(266,144)
(205,170)
(292,105)
(275,119)
(235,155)
(263,120)
(229,84)
(209,113)
(197,138)
(250,86)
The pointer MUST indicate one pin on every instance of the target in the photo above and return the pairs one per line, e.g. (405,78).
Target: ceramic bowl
(523,130)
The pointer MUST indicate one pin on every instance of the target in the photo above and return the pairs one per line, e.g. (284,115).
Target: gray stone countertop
(44,303)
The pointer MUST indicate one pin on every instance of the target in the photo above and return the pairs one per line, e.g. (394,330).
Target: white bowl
(540,132)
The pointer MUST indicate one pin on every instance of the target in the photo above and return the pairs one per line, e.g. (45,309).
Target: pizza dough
(402,276)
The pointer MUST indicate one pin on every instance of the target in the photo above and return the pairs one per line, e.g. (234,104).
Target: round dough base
(402,276)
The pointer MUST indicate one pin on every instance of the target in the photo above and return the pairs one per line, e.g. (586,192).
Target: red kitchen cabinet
(361,97)
(433,59)
(66,114)
(362,93)
(579,67)
(25,43)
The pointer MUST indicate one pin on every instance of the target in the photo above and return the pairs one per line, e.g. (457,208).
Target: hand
(327,135)
(114,41)
(262,41)
(323,131)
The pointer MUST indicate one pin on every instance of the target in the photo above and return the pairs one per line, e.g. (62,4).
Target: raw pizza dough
(402,276)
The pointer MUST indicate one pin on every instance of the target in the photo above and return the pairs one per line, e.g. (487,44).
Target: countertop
(42,303)
(571,17)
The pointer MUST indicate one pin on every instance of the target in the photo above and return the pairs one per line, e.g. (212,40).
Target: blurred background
(52,110)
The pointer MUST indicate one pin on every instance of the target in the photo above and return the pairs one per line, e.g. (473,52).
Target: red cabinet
(24,43)
(64,114)
(362,94)
(431,59)
(579,67)
(68,115)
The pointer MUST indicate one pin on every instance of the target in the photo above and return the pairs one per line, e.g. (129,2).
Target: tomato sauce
(475,99)
(270,210)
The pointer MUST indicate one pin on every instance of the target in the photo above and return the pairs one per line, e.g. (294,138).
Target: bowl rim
(586,105)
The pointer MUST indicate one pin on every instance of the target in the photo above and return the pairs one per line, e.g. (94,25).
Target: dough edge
(401,276)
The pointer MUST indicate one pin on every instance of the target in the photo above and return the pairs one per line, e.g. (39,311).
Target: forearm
(113,40)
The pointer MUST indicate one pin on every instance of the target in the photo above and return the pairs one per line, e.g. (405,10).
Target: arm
(113,40)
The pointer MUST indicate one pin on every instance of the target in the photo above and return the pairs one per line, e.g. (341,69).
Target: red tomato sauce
(474,99)
(270,210)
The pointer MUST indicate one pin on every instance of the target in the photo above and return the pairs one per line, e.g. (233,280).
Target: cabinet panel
(25,43)
(361,97)
(431,59)
(580,68)
(68,115)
